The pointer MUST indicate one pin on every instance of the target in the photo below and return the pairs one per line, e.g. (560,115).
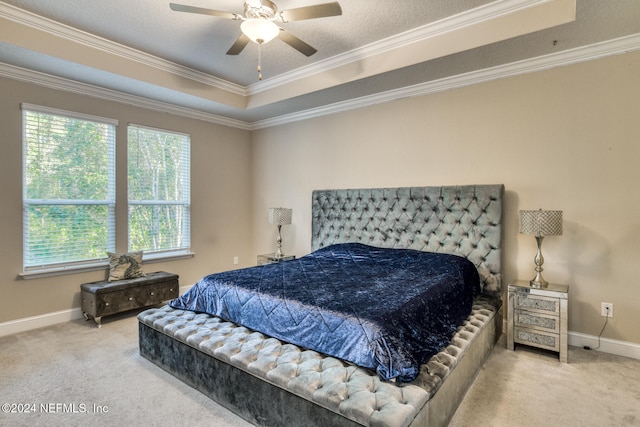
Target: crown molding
(60,83)
(450,24)
(569,57)
(573,56)
(49,26)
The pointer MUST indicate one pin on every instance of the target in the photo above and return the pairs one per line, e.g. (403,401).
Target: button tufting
(350,379)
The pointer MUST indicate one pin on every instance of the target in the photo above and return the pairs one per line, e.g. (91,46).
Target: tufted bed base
(272,383)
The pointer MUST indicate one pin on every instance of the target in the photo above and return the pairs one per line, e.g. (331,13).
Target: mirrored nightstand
(538,317)
(271,258)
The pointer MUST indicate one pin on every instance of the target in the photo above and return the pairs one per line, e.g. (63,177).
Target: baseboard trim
(48,319)
(40,321)
(607,345)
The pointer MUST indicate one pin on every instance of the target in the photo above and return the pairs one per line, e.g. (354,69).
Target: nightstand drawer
(538,317)
(531,319)
(535,338)
(536,303)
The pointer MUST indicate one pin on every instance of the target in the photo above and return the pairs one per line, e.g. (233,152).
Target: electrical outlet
(236,260)
(606,309)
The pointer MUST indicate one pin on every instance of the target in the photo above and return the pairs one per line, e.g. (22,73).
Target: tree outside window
(69,192)
(158,190)
(69,187)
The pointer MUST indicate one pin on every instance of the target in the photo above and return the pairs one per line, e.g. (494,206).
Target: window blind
(159,190)
(68,187)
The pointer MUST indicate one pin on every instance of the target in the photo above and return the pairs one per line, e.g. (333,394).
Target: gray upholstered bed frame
(269,382)
(462,220)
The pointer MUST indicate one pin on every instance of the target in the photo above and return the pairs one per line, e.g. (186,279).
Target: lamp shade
(260,30)
(280,216)
(541,223)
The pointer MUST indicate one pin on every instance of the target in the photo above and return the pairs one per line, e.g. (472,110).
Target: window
(159,191)
(68,188)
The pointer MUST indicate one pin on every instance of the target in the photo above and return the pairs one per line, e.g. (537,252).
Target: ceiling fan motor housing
(260,9)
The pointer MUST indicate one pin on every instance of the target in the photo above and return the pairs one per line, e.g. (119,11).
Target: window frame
(57,268)
(179,252)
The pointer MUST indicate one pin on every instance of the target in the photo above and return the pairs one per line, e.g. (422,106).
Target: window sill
(100,265)
(166,256)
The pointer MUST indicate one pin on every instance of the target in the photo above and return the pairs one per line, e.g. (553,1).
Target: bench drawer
(105,298)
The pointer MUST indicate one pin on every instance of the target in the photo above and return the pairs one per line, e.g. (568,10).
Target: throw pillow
(125,266)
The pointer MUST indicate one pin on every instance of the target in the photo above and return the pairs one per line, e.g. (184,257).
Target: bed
(268,380)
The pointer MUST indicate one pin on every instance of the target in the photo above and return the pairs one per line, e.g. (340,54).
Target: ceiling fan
(260,22)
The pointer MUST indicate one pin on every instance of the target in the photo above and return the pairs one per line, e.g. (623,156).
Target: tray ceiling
(144,52)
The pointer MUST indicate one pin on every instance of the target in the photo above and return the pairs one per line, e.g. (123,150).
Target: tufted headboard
(461,220)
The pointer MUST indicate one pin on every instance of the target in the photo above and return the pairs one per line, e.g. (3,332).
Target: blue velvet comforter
(383,309)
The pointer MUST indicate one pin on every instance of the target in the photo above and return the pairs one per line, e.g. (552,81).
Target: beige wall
(560,139)
(566,138)
(220,193)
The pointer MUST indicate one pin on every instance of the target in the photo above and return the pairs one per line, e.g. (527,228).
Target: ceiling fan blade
(296,43)
(239,45)
(192,9)
(312,12)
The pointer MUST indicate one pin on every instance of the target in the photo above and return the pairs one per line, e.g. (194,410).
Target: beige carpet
(74,374)
(528,387)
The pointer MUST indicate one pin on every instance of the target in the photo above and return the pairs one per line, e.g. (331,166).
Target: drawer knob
(130,298)
(106,303)
(152,294)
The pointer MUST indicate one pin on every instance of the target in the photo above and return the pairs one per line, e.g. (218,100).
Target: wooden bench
(103,298)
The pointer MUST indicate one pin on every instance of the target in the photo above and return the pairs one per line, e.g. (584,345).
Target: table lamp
(540,223)
(279,217)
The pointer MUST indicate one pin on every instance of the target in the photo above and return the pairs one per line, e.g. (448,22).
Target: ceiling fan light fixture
(260,30)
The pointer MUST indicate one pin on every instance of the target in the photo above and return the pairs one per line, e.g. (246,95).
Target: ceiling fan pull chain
(259,61)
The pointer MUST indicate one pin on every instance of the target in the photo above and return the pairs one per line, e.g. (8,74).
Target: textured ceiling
(200,42)
(145,49)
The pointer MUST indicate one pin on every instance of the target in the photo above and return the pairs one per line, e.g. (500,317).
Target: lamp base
(279,254)
(538,283)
